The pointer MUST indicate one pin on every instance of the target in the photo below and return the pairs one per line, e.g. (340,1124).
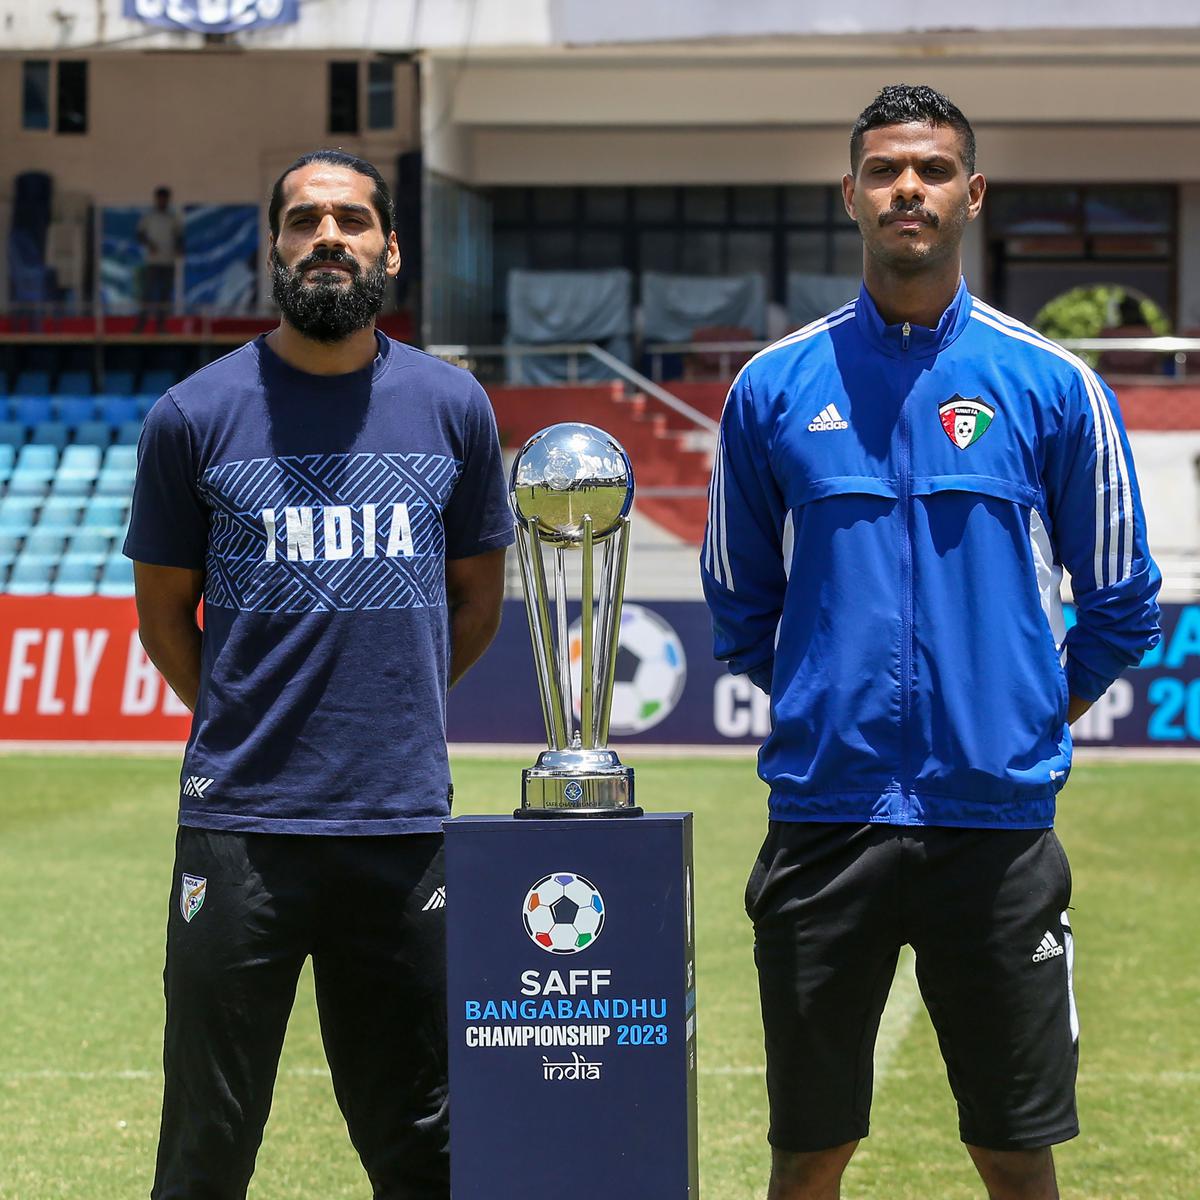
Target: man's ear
(976,187)
(848,196)
(393,255)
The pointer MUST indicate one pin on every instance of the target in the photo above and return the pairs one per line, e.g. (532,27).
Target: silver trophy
(571,491)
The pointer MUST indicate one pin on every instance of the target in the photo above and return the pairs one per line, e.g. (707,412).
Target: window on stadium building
(71,97)
(1043,240)
(770,229)
(35,94)
(343,97)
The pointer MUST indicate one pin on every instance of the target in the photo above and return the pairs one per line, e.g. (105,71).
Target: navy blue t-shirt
(322,510)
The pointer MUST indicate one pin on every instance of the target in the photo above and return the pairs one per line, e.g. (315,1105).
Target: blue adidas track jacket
(890,513)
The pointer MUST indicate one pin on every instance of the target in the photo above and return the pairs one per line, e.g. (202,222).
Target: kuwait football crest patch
(191,895)
(965,421)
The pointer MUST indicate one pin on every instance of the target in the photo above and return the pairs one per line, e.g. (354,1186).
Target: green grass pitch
(85,877)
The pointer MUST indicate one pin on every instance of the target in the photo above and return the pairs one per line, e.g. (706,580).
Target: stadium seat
(38,456)
(60,514)
(8,455)
(118,383)
(33,383)
(75,578)
(114,483)
(121,458)
(12,433)
(44,543)
(30,410)
(105,513)
(75,383)
(116,579)
(89,546)
(50,433)
(71,485)
(17,513)
(94,433)
(30,576)
(74,410)
(10,543)
(29,484)
(82,460)
(145,403)
(116,410)
(157,382)
(128,433)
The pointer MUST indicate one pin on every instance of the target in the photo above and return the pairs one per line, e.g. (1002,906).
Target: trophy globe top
(569,471)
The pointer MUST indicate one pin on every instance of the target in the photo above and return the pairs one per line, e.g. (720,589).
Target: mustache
(337,258)
(915,212)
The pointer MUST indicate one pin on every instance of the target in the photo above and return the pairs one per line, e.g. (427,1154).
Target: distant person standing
(160,234)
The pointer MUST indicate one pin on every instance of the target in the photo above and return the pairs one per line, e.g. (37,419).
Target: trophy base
(577,783)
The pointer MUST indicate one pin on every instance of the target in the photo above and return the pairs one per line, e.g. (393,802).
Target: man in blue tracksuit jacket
(897,490)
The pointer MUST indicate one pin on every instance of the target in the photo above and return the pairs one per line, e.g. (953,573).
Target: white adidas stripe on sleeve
(1113,493)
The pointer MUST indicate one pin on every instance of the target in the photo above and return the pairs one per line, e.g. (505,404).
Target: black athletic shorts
(985,910)
(246,910)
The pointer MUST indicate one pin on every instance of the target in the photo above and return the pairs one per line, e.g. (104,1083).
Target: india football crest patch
(965,421)
(191,895)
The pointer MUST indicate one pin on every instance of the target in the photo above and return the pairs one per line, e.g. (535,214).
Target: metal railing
(729,352)
(572,352)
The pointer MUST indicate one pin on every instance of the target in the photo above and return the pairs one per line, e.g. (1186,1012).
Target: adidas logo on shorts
(1048,948)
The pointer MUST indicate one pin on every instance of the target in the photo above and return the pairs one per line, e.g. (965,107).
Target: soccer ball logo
(651,670)
(563,912)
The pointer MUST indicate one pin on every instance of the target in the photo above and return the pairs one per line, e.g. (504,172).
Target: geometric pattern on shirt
(240,577)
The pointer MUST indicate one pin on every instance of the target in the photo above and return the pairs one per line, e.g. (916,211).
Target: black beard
(329,312)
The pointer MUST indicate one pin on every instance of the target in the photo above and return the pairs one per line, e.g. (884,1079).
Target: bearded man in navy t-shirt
(338,501)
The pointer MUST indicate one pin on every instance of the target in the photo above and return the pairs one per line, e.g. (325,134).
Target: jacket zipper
(906,584)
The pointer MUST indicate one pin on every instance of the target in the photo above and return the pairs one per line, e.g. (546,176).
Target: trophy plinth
(571,491)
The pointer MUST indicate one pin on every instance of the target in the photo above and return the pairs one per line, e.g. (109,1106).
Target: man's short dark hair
(381,197)
(912,104)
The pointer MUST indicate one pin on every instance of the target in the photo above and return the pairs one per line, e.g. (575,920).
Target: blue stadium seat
(8,455)
(17,513)
(44,543)
(121,458)
(74,410)
(116,579)
(106,513)
(114,483)
(118,383)
(116,410)
(80,459)
(128,433)
(40,456)
(94,433)
(157,382)
(10,543)
(90,546)
(34,383)
(145,403)
(28,484)
(61,513)
(75,383)
(30,410)
(75,578)
(30,576)
(71,485)
(3,576)
(12,433)
(50,433)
